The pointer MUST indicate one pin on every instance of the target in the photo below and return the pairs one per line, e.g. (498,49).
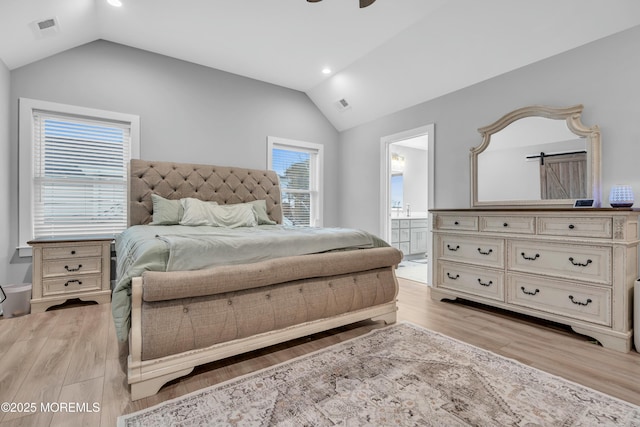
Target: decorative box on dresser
(68,268)
(572,266)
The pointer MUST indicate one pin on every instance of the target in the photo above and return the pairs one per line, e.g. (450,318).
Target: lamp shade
(621,196)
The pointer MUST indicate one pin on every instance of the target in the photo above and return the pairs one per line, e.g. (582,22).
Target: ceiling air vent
(45,27)
(342,104)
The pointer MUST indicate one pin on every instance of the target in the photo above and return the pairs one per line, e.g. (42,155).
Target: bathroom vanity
(410,234)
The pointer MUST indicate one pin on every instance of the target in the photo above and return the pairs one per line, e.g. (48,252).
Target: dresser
(572,266)
(68,268)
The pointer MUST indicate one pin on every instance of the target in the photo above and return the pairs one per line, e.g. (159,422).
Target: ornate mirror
(538,156)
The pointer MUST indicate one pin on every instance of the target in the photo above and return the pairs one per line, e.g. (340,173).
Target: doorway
(407,194)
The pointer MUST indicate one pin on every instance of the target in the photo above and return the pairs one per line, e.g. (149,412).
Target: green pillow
(260,209)
(165,211)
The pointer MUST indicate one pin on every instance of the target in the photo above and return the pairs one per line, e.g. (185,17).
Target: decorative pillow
(260,209)
(197,212)
(165,211)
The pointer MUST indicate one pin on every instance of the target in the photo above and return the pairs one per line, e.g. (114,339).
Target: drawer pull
(485,284)
(485,253)
(580,302)
(73,281)
(530,258)
(505,224)
(579,264)
(571,226)
(66,267)
(529,292)
(456,223)
(451,248)
(73,252)
(453,277)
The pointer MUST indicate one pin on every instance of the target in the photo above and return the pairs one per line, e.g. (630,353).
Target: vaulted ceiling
(383,58)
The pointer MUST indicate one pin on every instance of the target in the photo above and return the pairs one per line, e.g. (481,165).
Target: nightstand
(70,267)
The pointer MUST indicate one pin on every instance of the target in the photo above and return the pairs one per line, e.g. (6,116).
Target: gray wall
(238,113)
(188,113)
(603,76)
(5,226)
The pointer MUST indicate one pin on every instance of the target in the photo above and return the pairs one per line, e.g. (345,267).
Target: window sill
(24,251)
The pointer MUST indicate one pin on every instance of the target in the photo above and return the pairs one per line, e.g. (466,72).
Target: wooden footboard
(348,271)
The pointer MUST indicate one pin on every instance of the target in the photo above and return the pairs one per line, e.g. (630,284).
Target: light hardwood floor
(70,355)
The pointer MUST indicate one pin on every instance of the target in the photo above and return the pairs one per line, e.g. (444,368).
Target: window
(73,169)
(299,167)
(397,192)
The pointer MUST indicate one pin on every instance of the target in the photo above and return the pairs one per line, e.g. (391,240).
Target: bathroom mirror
(536,156)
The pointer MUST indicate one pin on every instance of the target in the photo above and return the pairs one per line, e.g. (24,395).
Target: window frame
(27,107)
(316,172)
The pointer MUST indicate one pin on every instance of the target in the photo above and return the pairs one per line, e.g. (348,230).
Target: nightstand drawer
(72,252)
(65,267)
(69,284)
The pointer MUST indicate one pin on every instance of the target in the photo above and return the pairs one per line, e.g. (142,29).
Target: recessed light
(115,3)
(326,70)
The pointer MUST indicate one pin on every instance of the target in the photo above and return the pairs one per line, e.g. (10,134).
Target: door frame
(385,179)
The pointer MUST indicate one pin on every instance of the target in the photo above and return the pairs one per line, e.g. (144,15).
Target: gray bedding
(179,248)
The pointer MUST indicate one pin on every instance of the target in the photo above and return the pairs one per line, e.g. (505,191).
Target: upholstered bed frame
(249,306)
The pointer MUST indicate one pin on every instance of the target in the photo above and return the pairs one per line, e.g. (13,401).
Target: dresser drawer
(576,227)
(476,250)
(65,267)
(62,285)
(455,222)
(508,224)
(72,252)
(471,280)
(578,262)
(590,303)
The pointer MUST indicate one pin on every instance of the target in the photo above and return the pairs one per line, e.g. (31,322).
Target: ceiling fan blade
(365,3)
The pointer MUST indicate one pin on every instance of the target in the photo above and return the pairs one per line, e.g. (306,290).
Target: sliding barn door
(564,176)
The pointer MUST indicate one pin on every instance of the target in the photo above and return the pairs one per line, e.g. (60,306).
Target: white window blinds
(295,180)
(79,175)
(299,168)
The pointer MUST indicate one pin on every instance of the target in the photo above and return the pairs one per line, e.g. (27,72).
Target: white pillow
(197,212)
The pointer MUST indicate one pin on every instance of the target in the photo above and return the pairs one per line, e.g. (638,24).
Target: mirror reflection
(534,158)
(537,155)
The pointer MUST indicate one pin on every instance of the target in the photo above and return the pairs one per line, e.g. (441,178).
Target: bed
(193,292)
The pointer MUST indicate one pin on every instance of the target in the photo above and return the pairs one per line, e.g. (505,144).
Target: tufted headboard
(224,185)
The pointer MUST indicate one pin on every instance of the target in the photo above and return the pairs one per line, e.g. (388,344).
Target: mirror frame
(572,116)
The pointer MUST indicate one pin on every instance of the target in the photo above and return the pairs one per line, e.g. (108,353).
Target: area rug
(402,375)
